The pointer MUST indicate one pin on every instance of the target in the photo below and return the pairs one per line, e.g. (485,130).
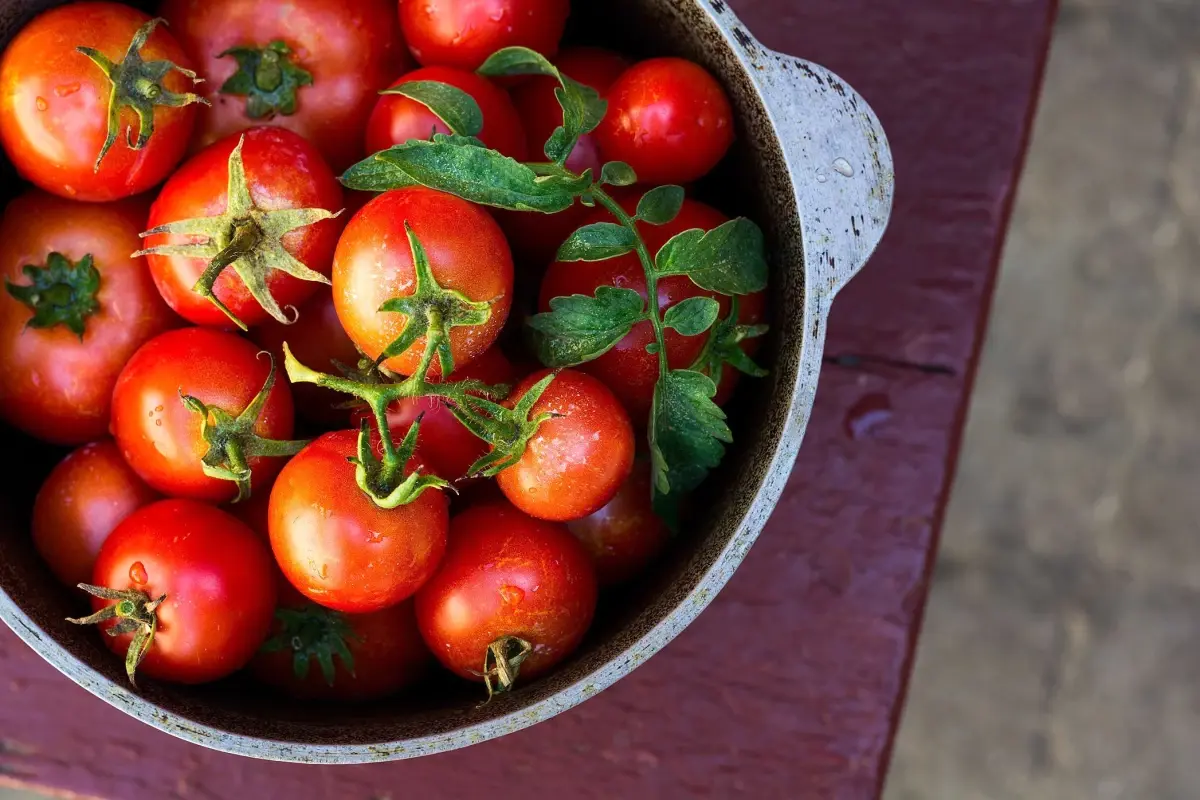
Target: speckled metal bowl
(812,166)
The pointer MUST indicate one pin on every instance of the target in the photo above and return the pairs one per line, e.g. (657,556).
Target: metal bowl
(812,166)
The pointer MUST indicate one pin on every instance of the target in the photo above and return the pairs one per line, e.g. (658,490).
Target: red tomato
(56,385)
(339,548)
(577,461)
(396,118)
(254,511)
(317,340)
(385,648)
(54,103)
(625,535)
(467,253)
(218,580)
(160,437)
(752,310)
(283,171)
(338,55)
(668,119)
(627,368)
(82,500)
(447,447)
(507,574)
(463,33)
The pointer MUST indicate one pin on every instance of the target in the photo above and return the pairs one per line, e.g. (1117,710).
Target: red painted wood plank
(790,683)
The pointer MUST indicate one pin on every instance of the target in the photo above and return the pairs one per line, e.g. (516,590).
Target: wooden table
(791,683)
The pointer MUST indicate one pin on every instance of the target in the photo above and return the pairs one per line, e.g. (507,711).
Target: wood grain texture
(789,685)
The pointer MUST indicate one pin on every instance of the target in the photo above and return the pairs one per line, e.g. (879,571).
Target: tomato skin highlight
(283,171)
(669,119)
(507,574)
(577,461)
(81,501)
(336,546)
(467,253)
(160,437)
(626,535)
(351,49)
(462,34)
(218,579)
(55,386)
(396,119)
(54,104)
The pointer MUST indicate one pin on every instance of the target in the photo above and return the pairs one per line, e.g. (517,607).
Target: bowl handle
(840,163)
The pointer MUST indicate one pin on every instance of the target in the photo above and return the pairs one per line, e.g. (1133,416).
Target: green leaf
(724,346)
(661,205)
(580,328)
(729,259)
(688,433)
(596,242)
(459,166)
(618,173)
(693,316)
(517,61)
(448,103)
(60,293)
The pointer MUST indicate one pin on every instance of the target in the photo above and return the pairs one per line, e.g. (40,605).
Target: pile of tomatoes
(189,291)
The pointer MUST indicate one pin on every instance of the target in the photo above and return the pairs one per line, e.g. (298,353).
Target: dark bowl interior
(752,181)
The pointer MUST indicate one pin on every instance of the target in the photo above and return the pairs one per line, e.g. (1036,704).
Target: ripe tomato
(339,548)
(80,503)
(385,649)
(373,263)
(282,172)
(161,437)
(217,579)
(57,385)
(319,81)
(454,33)
(317,340)
(752,310)
(447,447)
(625,535)
(577,461)
(54,103)
(668,119)
(507,575)
(397,118)
(627,368)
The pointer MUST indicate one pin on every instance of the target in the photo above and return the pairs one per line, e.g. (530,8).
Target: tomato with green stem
(184,591)
(336,544)
(513,596)
(199,413)
(74,306)
(80,503)
(397,118)
(95,101)
(311,66)
(316,653)
(245,227)
(626,535)
(460,34)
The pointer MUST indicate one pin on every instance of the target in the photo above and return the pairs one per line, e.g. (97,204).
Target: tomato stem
(60,293)
(502,664)
(135,613)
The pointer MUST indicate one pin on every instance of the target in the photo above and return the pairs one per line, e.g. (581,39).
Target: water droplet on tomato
(137,572)
(158,408)
(70,190)
(41,103)
(158,423)
(66,89)
(511,595)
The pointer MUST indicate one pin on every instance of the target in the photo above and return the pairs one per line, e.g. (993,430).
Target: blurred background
(1060,656)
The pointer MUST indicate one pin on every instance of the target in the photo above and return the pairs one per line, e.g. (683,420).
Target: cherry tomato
(627,368)
(507,575)
(386,651)
(54,103)
(668,119)
(311,66)
(57,385)
(752,310)
(317,340)
(373,263)
(625,535)
(447,447)
(161,437)
(576,461)
(282,171)
(396,118)
(216,578)
(82,500)
(339,548)
(463,33)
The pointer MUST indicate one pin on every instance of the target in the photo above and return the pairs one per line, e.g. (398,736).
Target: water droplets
(842,167)
(137,573)
(871,411)
(66,89)
(511,595)
(41,104)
